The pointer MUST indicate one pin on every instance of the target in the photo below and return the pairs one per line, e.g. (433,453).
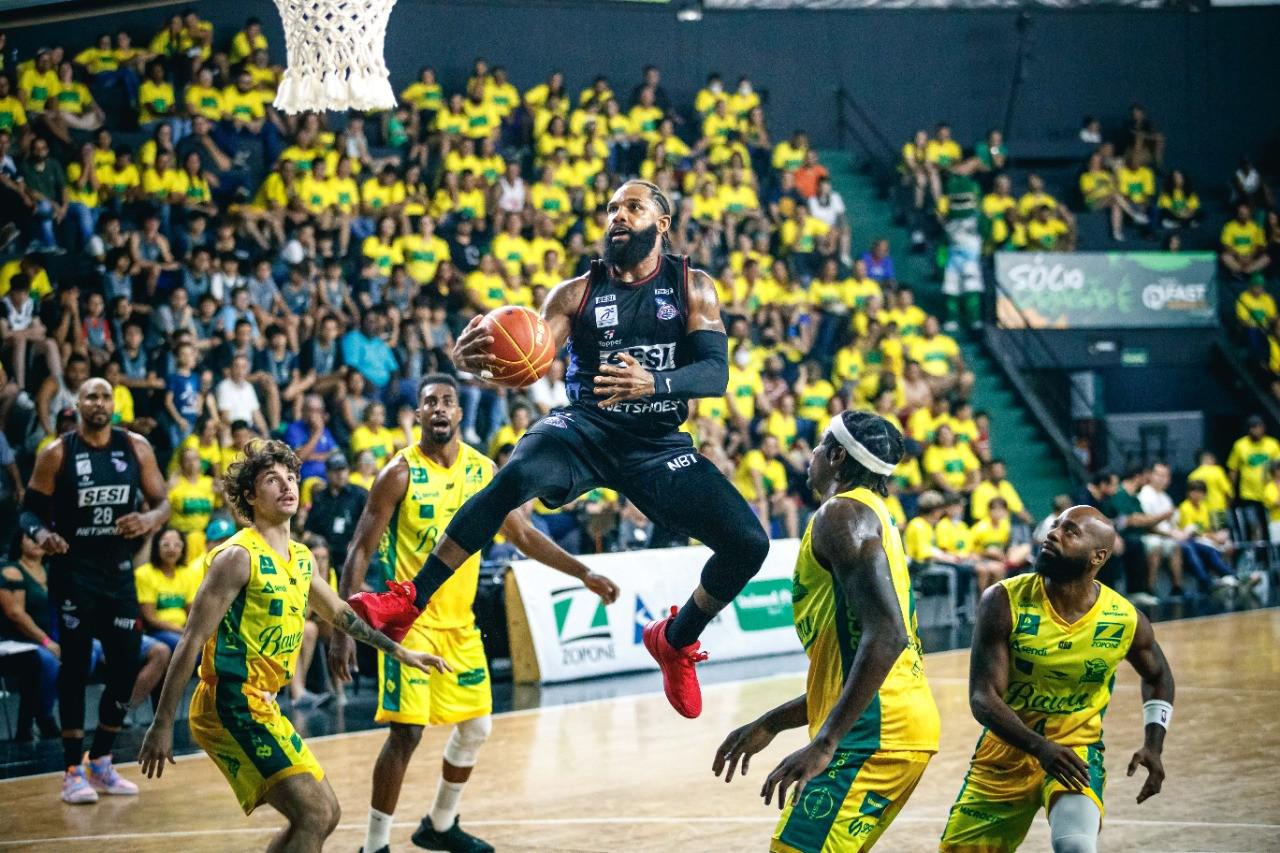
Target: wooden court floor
(627,774)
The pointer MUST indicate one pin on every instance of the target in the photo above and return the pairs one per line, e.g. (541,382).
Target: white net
(335,55)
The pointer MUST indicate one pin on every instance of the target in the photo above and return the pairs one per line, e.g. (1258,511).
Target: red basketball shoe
(392,612)
(678,678)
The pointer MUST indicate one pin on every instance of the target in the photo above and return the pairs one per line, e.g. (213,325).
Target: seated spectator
(192,497)
(995,485)
(1142,140)
(1048,232)
(1100,191)
(166,587)
(914,167)
(21,332)
(1206,545)
(879,265)
(236,397)
(1133,525)
(919,538)
(1256,312)
(993,539)
(26,615)
(939,357)
(334,508)
(950,467)
(1178,202)
(761,477)
(513,431)
(991,152)
(999,215)
(373,435)
(1137,184)
(1244,244)
(954,538)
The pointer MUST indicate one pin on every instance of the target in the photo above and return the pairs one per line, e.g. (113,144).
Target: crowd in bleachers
(237,272)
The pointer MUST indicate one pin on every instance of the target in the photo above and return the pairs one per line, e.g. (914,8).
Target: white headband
(854,448)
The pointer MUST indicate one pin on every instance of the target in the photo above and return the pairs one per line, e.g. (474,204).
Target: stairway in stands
(1034,467)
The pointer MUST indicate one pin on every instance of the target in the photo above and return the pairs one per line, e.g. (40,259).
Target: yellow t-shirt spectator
(985,492)
(771,471)
(41,287)
(987,534)
(12,114)
(380,441)
(1217,485)
(551,200)
(812,399)
(153,99)
(192,505)
(1138,185)
(242,47)
(953,537)
(942,153)
(1199,517)
(1256,309)
(1250,459)
(918,540)
(204,101)
(782,427)
(934,354)
(171,596)
(487,289)
(36,87)
(1246,239)
(383,255)
(953,463)
(422,257)
(244,106)
(787,157)
(743,387)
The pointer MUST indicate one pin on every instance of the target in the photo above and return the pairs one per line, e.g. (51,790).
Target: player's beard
(1059,567)
(630,253)
(97,420)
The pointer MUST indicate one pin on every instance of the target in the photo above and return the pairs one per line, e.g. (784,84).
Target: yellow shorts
(1001,794)
(849,806)
(253,744)
(407,695)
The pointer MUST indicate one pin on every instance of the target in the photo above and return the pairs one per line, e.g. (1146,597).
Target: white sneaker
(1144,599)
(76,789)
(103,777)
(24,400)
(1227,580)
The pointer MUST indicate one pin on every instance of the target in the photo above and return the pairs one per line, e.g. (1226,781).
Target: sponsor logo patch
(606,315)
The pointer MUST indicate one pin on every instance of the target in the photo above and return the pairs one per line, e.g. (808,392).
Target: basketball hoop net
(335,55)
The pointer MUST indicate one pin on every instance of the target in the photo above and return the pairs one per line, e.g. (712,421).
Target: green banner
(1106,290)
(764,605)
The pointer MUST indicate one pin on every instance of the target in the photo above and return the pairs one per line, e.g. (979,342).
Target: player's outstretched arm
(37,503)
(988,681)
(227,575)
(1146,656)
(847,541)
(386,494)
(746,741)
(533,543)
(329,608)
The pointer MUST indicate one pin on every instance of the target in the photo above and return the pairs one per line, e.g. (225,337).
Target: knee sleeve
(1073,823)
(465,741)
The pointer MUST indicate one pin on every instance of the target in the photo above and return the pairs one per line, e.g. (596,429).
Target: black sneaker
(386,848)
(453,840)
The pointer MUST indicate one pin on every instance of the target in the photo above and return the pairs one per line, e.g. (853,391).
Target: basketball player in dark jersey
(83,507)
(645,337)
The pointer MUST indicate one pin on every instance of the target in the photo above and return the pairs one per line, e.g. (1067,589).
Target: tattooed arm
(326,604)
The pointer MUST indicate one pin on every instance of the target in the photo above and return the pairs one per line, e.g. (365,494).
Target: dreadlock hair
(241,478)
(878,436)
(658,197)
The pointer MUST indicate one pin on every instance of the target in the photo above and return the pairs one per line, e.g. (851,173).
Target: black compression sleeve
(706,374)
(37,509)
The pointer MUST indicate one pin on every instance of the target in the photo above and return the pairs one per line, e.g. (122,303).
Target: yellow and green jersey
(169,594)
(1061,675)
(257,641)
(192,504)
(902,716)
(434,495)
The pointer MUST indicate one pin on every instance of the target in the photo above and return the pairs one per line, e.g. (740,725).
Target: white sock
(446,806)
(379,833)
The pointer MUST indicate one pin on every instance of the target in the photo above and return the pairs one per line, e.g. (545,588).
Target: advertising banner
(572,634)
(1106,290)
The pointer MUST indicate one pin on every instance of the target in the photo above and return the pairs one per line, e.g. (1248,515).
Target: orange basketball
(522,345)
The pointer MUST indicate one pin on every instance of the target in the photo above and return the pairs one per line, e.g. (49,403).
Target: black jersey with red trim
(647,319)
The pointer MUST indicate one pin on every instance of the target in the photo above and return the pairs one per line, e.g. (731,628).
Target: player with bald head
(84,508)
(1046,646)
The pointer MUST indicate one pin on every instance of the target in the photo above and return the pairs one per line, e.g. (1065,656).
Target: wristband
(1157,711)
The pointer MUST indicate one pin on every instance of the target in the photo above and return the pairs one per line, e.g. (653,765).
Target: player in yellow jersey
(1045,650)
(412,500)
(246,625)
(873,724)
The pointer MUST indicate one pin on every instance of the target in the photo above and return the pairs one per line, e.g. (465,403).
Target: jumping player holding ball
(644,337)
